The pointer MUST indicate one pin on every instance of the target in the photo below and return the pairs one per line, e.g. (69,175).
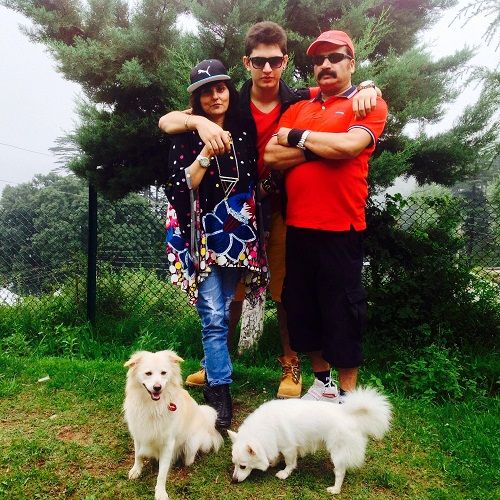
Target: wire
(24,149)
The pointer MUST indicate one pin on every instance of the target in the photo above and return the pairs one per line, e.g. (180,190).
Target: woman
(211,224)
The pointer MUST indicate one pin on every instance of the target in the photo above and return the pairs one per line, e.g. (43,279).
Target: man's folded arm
(339,146)
(279,155)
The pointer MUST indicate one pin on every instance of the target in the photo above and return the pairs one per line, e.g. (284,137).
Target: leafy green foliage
(135,308)
(432,373)
(494,196)
(487,9)
(133,65)
(44,227)
(419,277)
(35,218)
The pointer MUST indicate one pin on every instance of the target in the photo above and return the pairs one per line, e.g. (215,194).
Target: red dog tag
(172,406)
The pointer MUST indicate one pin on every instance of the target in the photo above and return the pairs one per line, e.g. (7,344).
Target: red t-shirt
(266,125)
(330,194)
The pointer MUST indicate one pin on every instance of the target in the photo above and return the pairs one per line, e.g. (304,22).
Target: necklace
(228,182)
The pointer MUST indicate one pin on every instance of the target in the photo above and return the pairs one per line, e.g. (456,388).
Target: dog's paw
(334,490)
(134,472)
(161,494)
(282,474)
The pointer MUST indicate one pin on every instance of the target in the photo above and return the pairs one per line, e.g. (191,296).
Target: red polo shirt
(330,194)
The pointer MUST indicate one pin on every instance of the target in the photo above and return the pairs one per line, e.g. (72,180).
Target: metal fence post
(92,255)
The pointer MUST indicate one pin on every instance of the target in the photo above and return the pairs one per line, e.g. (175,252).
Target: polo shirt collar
(347,94)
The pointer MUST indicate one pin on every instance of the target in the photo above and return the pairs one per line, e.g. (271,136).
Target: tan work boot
(291,380)
(196,379)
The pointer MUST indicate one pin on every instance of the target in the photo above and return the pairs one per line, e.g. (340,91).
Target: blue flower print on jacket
(175,240)
(227,227)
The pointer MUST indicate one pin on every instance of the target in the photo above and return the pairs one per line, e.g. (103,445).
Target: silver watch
(367,84)
(203,161)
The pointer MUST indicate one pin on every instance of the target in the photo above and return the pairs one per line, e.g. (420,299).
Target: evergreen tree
(44,226)
(133,64)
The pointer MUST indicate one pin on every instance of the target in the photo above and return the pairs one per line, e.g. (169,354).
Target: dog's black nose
(157,387)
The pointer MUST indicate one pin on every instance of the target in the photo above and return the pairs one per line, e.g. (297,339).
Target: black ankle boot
(219,398)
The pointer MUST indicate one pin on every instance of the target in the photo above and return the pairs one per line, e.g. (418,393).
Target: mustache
(327,72)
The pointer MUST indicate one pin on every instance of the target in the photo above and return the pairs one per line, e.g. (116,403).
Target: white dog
(163,419)
(296,427)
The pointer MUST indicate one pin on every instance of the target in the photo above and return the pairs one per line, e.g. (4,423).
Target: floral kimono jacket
(215,224)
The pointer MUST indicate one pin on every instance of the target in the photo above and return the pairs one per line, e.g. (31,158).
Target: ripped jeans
(215,294)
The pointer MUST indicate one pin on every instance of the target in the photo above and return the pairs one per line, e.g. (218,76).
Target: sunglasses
(334,58)
(259,62)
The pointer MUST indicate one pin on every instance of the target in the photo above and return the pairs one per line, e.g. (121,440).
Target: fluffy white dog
(163,419)
(295,427)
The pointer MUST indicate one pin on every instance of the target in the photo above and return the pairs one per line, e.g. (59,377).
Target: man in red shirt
(324,150)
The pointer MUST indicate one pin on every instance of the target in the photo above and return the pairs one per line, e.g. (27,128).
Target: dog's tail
(371,410)
(213,439)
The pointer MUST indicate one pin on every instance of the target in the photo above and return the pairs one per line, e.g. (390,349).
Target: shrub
(419,282)
(432,373)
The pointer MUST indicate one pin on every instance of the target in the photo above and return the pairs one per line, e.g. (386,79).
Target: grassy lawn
(65,438)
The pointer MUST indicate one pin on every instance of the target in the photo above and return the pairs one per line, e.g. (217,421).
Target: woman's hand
(365,101)
(216,139)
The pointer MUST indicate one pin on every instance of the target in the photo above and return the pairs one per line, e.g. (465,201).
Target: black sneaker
(219,398)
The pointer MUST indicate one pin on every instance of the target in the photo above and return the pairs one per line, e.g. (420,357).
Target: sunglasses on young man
(334,58)
(259,62)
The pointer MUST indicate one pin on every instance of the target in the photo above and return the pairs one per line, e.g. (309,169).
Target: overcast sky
(37,104)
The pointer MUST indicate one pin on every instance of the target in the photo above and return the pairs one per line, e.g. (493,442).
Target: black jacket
(288,96)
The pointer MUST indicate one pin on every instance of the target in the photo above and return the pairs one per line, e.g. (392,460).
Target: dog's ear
(256,450)
(134,359)
(173,356)
(232,435)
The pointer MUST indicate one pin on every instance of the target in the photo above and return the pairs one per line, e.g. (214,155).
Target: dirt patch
(74,435)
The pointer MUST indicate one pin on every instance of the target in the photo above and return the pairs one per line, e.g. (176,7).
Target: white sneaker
(322,392)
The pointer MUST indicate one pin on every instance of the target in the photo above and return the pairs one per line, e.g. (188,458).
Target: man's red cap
(334,37)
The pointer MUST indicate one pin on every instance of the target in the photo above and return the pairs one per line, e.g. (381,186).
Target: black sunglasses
(334,58)
(259,62)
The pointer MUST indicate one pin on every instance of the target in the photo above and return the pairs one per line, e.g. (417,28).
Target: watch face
(368,84)
(204,161)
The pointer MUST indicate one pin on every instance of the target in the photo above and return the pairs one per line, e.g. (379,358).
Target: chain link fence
(40,262)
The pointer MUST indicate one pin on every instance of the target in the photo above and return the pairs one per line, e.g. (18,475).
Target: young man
(263,99)
(325,150)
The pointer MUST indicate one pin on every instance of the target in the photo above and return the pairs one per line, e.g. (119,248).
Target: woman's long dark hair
(232,116)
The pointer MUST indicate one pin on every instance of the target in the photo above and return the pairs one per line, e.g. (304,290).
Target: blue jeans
(215,294)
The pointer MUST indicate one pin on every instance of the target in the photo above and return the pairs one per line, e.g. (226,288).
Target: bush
(136,309)
(431,373)
(419,281)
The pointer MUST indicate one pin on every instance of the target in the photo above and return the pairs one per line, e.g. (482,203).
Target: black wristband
(294,136)
(310,156)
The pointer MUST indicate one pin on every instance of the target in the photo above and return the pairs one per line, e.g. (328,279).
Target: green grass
(65,438)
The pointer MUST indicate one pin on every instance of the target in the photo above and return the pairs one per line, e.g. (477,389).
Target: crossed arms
(217,140)
(279,155)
